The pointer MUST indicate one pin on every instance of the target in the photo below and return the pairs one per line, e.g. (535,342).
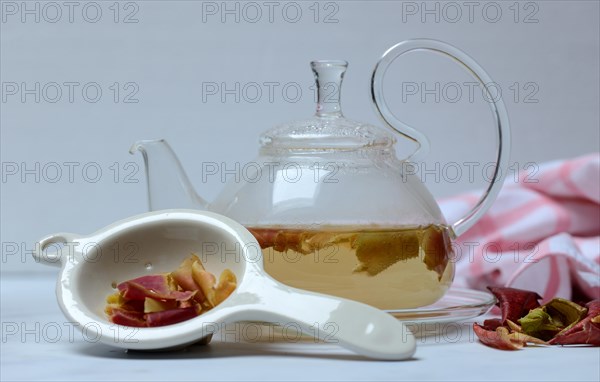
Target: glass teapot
(332,206)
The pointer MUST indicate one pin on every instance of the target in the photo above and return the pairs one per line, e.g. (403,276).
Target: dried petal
(114,298)
(587,334)
(151,305)
(586,331)
(565,311)
(378,251)
(437,248)
(183,277)
(183,274)
(525,339)
(133,305)
(514,327)
(127,318)
(498,338)
(264,236)
(540,324)
(227,276)
(227,284)
(548,320)
(154,286)
(492,323)
(139,288)
(514,303)
(205,280)
(300,241)
(223,291)
(169,317)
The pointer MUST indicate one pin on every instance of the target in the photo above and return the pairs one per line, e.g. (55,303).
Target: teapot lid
(328,129)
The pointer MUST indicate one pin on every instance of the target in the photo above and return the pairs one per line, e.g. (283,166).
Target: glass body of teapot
(332,207)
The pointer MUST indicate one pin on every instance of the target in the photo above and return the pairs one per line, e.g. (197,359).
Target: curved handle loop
(54,258)
(497,106)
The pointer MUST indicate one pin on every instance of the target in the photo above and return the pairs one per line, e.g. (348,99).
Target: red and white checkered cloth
(541,234)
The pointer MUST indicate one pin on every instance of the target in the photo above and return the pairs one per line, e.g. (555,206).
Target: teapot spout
(167,182)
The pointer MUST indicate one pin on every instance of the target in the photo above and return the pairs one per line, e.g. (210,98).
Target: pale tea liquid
(389,268)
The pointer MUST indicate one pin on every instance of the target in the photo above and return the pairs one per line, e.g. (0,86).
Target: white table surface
(34,348)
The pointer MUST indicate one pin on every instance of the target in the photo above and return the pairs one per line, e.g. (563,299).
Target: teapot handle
(497,106)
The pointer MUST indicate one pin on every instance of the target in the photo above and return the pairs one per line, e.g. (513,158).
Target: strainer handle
(57,258)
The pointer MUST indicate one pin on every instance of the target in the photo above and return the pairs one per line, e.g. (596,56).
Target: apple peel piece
(171,316)
(514,303)
(205,281)
(183,274)
(502,339)
(151,305)
(585,332)
(127,318)
(226,286)
(498,339)
(153,286)
(558,315)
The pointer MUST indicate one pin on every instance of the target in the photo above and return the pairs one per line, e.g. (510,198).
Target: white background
(174,48)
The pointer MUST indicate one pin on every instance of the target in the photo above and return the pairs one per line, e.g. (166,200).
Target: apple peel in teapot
(376,249)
